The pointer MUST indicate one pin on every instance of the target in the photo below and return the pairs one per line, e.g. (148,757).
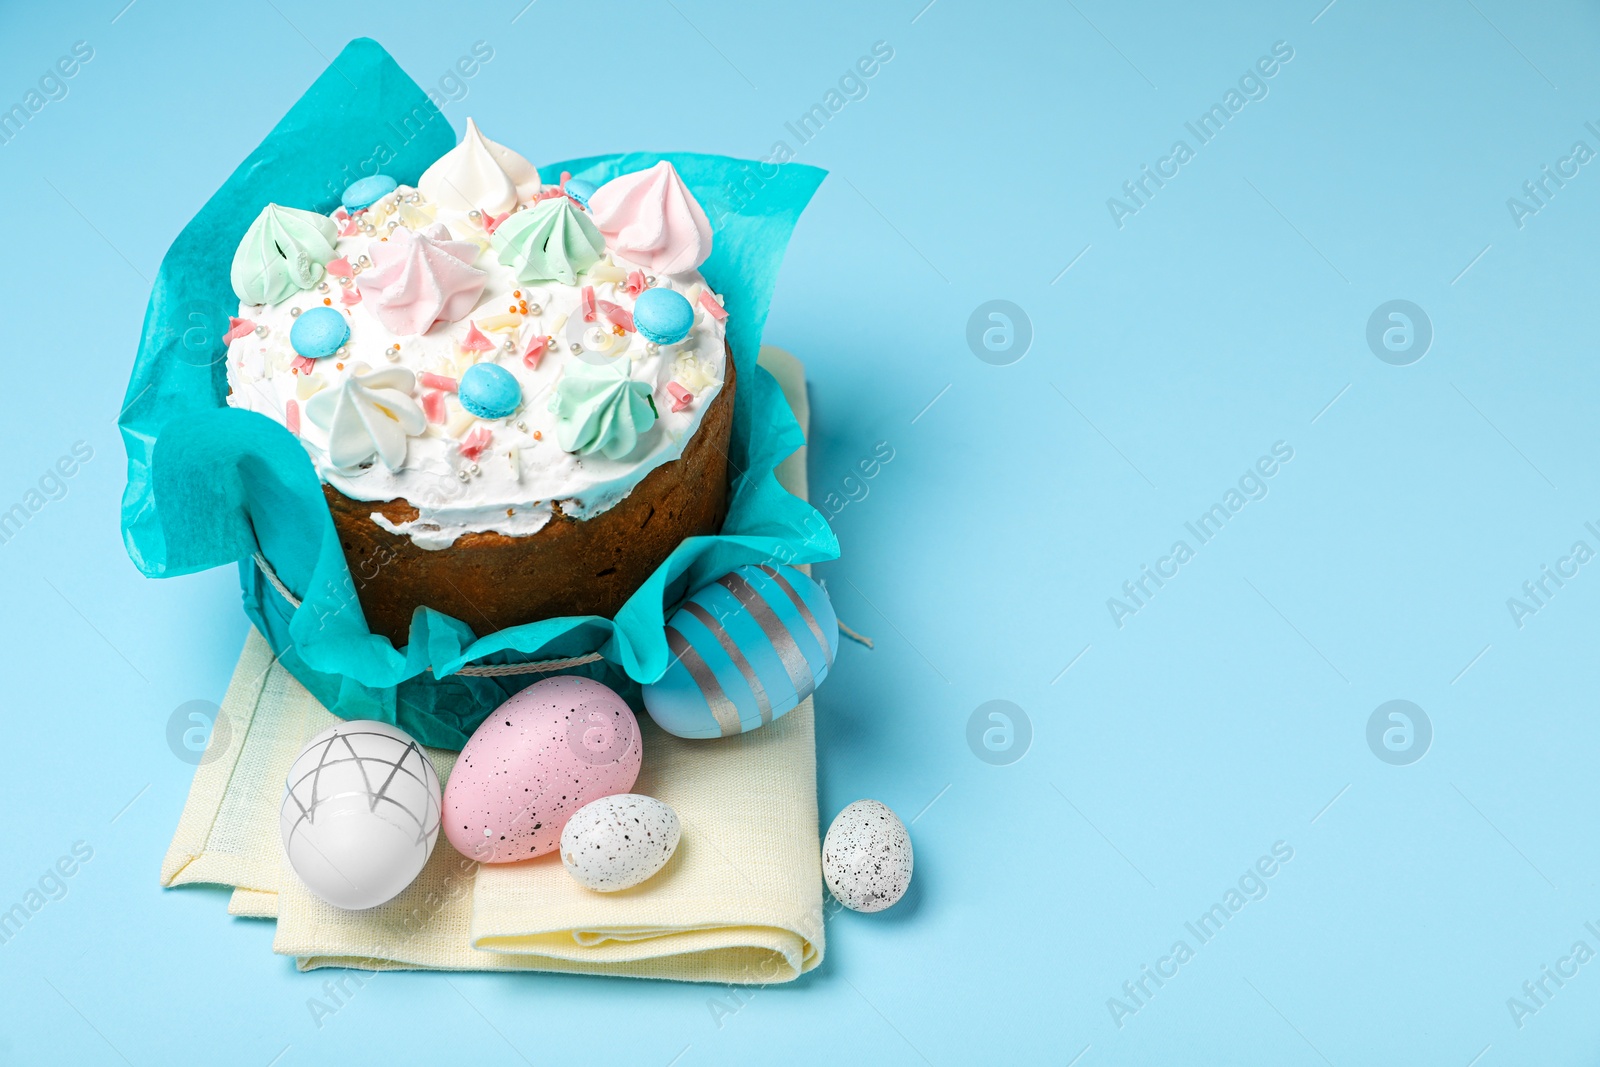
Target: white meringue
(371,414)
(478,173)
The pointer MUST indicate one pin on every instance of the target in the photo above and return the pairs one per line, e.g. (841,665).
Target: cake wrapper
(210,485)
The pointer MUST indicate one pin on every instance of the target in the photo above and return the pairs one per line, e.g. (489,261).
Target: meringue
(418,279)
(282,253)
(551,241)
(371,414)
(600,409)
(651,219)
(479,174)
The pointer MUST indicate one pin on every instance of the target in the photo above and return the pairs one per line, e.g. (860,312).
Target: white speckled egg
(619,841)
(360,813)
(866,857)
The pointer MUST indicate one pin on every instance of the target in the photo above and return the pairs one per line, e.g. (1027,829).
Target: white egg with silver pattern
(360,813)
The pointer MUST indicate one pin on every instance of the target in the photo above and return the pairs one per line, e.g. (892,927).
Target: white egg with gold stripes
(745,649)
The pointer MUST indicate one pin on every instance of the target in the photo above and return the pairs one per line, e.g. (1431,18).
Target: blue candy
(580,190)
(318,332)
(664,316)
(489,391)
(746,649)
(364,192)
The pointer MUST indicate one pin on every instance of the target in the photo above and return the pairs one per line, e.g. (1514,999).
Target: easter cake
(517,395)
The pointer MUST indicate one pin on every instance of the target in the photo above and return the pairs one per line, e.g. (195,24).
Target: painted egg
(318,332)
(664,316)
(866,857)
(580,190)
(539,757)
(360,813)
(489,391)
(745,649)
(364,192)
(617,842)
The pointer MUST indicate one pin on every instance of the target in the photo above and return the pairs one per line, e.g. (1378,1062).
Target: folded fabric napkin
(740,901)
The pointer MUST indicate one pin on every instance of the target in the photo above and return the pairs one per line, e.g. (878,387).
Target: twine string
(496,670)
(861,639)
(493,670)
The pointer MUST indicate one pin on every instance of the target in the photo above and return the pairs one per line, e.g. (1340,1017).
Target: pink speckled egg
(536,760)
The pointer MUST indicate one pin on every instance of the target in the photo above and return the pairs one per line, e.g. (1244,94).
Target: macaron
(318,332)
(489,391)
(580,190)
(664,316)
(364,192)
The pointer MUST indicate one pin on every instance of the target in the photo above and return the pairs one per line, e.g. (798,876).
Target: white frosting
(356,404)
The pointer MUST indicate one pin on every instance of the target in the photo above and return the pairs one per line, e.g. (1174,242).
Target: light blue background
(1228,714)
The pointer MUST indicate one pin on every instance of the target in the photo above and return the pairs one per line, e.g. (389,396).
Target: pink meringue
(651,219)
(418,279)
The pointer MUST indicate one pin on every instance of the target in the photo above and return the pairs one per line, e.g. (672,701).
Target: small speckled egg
(489,391)
(318,332)
(364,192)
(663,315)
(866,857)
(617,842)
(539,757)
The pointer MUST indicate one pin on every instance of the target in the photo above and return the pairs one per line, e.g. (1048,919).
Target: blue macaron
(364,192)
(580,190)
(664,316)
(318,332)
(489,391)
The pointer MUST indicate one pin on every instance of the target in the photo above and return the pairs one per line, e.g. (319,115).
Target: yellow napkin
(740,901)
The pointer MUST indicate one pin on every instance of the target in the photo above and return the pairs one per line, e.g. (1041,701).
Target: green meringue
(551,241)
(600,409)
(283,252)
